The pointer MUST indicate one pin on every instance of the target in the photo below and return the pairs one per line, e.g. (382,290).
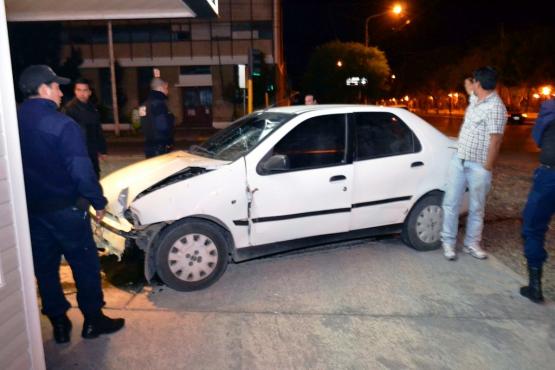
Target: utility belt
(52,205)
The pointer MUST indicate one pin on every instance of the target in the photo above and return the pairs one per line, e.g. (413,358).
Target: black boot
(534,289)
(100,324)
(62,328)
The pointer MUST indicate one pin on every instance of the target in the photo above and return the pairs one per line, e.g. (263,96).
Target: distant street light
(546,90)
(397,10)
(339,63)
(393,77)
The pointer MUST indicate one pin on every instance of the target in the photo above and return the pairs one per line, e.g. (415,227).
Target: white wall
(20,336)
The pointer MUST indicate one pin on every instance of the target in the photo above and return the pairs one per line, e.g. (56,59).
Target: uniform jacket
(56,165)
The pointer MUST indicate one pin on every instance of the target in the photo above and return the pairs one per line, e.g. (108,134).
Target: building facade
(197,56)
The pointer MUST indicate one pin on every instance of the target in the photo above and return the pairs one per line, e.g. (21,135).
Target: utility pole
(113,79)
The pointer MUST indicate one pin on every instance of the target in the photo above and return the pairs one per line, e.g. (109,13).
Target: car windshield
(243,135)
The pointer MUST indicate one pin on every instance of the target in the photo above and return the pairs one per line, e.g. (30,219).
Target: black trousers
(66,232)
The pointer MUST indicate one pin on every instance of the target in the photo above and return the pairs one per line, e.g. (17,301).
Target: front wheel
(422,227)
(192,255)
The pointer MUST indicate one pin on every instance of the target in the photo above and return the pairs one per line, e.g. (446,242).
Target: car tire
(192,255)
(422,227)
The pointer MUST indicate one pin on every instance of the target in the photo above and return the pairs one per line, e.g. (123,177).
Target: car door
(388,166)
(311,194)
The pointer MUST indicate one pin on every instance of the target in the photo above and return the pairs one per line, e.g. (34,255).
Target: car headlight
(122,198)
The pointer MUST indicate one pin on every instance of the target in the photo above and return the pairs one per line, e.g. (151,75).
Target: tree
(327,81)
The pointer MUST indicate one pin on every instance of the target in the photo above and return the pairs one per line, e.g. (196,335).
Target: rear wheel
(192,255)
(422,227)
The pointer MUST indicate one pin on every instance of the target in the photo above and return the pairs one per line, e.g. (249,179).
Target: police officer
(540,205)
(157,121)
(86,115)
(60,183)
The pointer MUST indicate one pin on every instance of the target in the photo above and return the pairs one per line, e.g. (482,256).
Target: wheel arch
(431,192)
(150,253)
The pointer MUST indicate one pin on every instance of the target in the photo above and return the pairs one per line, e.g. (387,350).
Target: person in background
(157,122)
(86,115)
(540,205)
(480,138)
(309,100)
(60,184)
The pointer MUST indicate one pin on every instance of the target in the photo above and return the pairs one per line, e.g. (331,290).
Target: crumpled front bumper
(109,237)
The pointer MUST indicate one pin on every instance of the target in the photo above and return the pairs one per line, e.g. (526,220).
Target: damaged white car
(276,180)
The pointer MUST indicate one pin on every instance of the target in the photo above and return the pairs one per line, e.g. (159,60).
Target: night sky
(435,24)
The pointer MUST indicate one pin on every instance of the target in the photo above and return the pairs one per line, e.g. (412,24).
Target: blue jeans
(463,174)
(536,216)
(65,232)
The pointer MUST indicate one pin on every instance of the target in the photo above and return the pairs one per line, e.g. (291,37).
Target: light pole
(397,9)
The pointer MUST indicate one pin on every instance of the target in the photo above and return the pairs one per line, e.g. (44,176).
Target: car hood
(142,175)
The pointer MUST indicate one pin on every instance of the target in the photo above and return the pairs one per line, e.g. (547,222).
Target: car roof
(300,109)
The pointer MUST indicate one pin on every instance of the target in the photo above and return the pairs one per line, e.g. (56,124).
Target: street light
(546,90)
(397,9)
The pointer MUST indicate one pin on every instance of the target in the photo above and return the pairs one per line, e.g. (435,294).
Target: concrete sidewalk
(365,305)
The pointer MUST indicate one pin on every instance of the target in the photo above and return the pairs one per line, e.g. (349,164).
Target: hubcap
(193,257)
(428,224)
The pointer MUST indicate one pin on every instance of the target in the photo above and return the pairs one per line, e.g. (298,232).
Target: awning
(75,10)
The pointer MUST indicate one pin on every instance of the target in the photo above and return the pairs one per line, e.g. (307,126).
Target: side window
(316,142)
(381,134)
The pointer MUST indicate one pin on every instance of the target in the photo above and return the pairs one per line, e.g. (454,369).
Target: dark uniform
(60,183)
(87,116)
(540,205)
(157,123)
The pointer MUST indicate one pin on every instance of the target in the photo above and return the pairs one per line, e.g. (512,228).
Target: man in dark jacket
(540,205)
(157,121)
(86,115)
(59,184)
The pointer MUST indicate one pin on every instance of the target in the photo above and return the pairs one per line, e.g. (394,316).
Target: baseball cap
(34,76)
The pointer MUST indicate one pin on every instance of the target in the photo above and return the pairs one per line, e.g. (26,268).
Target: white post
(9,145)
(113,79)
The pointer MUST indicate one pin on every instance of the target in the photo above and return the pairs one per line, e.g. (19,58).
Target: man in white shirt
(479,142)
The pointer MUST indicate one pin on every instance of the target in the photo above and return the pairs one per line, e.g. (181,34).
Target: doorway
(197,106)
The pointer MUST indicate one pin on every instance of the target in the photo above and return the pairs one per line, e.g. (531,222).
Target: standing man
(157,121)
(60,184)
(479,142)
(540,206)
(86,115)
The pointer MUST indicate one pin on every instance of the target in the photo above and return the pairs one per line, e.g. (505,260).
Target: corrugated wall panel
(7,236)
(21,362)
(10,306)
(13,283)
(14,347)
(5,214)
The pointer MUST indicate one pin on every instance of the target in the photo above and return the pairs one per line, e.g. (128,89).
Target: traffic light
(255,63)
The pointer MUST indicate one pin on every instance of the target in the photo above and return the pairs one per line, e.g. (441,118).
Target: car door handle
(337,178)
(417,164)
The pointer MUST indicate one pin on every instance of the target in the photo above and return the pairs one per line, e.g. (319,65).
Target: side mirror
(276,163)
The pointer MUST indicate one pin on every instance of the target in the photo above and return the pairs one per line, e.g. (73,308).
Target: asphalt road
(365,305)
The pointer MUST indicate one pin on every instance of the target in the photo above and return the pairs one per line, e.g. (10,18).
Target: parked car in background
(276,180)
(515,117)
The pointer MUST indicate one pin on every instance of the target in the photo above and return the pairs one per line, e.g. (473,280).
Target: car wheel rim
(193,257)
(428,224)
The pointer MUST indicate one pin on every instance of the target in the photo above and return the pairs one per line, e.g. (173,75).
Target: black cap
(34,76)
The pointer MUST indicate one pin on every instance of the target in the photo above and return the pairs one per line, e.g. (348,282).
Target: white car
(276,180)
